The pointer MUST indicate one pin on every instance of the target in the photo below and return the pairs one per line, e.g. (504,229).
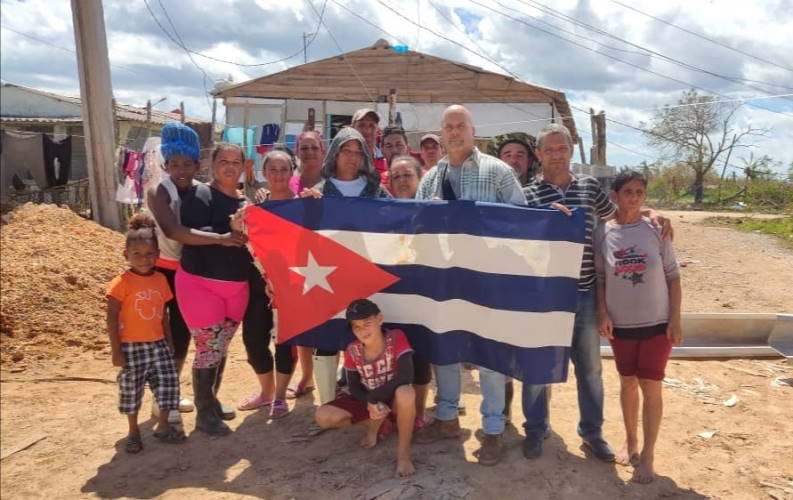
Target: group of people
(191,276)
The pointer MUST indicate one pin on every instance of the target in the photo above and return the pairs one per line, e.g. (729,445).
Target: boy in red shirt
(379,367)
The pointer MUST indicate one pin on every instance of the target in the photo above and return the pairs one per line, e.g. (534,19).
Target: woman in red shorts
(638,297)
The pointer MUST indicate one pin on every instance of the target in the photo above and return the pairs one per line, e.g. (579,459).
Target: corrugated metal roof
(124,112)
(24,119)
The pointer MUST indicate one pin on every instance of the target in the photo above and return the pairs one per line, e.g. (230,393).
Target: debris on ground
(56,266)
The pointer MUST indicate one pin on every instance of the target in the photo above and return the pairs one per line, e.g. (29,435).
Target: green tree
(697,132)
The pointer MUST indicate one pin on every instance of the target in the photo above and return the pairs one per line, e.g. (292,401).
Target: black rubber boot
(225,412)
(207,417)
(509,393)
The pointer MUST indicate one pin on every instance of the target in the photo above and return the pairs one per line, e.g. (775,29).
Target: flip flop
(279,409)
(296,391)
(253,402)
(134,444)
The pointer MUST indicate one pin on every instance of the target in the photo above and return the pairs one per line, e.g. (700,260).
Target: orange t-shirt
(143,301)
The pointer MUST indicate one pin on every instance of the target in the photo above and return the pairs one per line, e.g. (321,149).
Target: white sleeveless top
(170,249)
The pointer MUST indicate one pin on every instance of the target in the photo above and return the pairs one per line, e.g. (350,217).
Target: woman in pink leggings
(212,282)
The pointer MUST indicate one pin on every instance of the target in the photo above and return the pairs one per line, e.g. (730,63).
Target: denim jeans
(585,354)
(492,387)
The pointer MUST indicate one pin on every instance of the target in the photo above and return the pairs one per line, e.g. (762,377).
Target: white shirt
(349,188)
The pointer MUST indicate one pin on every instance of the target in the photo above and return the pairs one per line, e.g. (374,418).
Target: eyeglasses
(350,152)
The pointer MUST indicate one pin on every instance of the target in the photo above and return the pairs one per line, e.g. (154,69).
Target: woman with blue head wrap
(181,150)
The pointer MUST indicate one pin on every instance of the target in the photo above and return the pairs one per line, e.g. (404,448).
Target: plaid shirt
(483,178)
(583,192)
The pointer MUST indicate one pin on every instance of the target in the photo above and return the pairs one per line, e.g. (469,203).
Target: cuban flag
(494,285)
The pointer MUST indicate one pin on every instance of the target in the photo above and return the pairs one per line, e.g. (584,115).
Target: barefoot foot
(369,439)
(404,467)
(644,473)
(628,455)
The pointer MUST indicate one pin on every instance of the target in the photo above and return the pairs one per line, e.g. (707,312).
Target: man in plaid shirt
(467,174)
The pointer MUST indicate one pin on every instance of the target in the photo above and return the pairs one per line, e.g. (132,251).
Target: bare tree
(698,132)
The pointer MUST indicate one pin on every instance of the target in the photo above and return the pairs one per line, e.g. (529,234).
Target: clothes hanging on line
(270,134)
(22,154)
(242,136)
(57,160)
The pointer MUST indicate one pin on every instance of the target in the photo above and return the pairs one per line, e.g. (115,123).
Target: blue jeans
(492,387)
(585,354)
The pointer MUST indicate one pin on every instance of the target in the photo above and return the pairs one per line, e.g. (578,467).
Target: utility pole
(97,97)
(305,46)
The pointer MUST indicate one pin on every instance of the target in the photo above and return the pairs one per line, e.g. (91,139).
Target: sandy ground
(66,409)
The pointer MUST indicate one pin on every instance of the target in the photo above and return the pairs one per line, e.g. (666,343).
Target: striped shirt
(583,192)
(482,178)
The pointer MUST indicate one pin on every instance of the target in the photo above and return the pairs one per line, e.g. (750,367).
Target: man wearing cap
(365,121)
(519,155)
(467,174)
(431,150)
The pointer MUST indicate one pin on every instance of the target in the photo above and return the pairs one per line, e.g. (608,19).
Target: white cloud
(255,31)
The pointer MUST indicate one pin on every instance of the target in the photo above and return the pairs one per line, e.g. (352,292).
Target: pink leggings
(212,310)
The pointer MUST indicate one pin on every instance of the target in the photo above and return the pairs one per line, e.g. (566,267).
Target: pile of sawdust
(53,273)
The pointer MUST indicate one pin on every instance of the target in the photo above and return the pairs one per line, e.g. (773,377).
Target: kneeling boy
(379,368)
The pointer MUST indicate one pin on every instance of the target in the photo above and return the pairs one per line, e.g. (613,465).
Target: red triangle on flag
(314,277)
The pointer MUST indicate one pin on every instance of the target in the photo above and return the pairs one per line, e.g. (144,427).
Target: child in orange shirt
(140,336)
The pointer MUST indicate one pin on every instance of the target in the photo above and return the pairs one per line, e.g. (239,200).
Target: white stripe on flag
(479,253)
(517,328)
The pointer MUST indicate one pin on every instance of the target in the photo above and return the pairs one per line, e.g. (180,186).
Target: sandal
(279,409)
(134,444)
(253,402)
(298,390)
(170,435)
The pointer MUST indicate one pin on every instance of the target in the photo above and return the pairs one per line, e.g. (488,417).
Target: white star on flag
(315,274)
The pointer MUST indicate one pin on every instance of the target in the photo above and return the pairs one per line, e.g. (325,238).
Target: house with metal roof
(412,86)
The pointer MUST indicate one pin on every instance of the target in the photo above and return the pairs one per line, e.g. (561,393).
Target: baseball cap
(364,112)
(429,137)
(361,309)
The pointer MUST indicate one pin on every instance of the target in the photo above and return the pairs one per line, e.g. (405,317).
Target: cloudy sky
(542,42)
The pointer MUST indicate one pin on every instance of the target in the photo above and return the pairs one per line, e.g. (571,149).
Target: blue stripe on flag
(457,217)
(498,291)
(537,365)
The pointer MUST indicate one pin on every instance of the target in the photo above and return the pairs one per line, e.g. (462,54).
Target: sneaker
(186,405)
(490,452)
(437,430)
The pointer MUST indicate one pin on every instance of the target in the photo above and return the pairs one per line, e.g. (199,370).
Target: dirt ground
(61,435)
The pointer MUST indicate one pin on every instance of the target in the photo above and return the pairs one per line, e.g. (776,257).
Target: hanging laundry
(155,165)
(242,136)
(23,153)
(57,159)
(270,134)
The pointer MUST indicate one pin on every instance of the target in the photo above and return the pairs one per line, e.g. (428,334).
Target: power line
(687,84)
(559,15)
(243,65)
(65,49)
(336,42)
(182,44)
(699,35)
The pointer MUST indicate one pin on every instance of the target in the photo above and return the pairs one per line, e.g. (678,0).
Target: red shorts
(354,407)
(643,358)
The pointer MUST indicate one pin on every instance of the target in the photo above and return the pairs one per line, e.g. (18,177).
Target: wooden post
(601,122)
(181,111)
(148,118)
(214,118)
(593,151)
(96,92)
(310,121)
(581,151)
(392,96)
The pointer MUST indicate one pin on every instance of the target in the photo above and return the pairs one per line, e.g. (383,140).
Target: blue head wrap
(179,139)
